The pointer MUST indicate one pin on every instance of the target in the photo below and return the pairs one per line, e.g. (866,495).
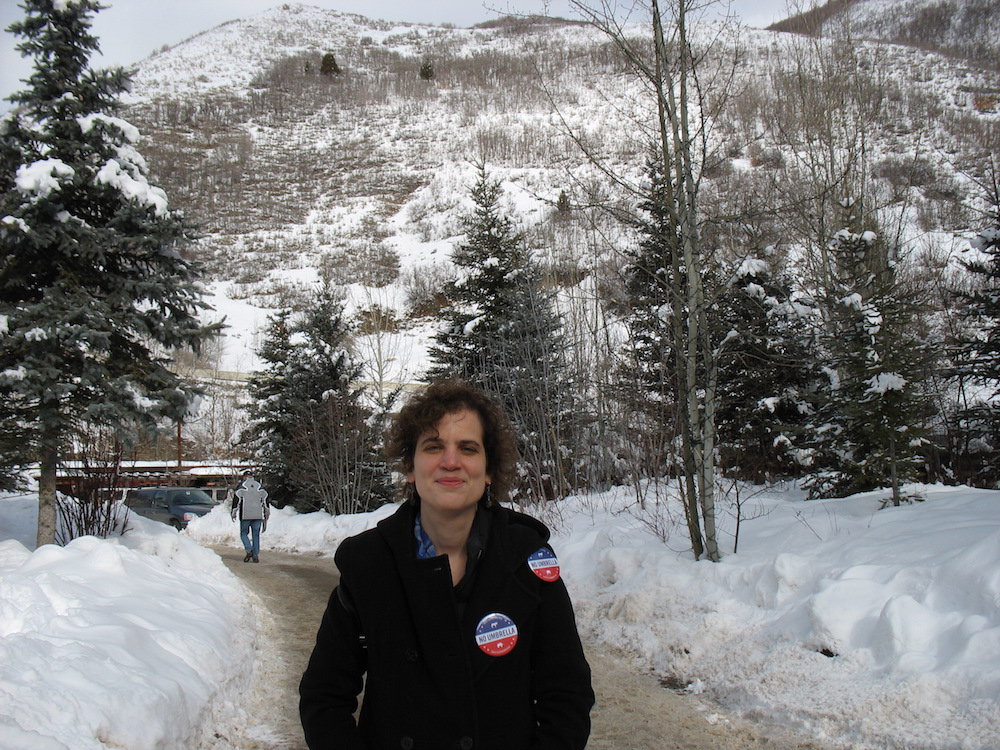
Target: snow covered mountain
(362,177)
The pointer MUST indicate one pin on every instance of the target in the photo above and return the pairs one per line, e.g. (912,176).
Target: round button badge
(544,564)
(496,634)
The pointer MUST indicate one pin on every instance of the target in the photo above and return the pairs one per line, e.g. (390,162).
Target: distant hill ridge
(969,29)
(811,21)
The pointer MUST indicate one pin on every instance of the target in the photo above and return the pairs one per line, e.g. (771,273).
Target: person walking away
(251,509)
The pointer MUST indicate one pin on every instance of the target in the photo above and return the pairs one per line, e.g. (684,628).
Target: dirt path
(633,711)
(295,589)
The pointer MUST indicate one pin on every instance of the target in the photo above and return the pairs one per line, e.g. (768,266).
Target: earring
(411,493)
(488,497)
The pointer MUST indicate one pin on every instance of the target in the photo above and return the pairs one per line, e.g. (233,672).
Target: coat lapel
(427,587)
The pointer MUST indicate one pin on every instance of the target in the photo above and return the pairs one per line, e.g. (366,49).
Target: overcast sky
(131,30)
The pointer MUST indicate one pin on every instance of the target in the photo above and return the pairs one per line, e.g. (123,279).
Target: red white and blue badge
(496,634)
(544,564)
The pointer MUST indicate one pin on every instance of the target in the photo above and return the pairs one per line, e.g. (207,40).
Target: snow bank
(287,530)
(131,642)
(842,620)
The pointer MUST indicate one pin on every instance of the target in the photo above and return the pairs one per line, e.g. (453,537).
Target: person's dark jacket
(429,686)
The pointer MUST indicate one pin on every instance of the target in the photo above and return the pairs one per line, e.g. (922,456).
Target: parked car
(173,505)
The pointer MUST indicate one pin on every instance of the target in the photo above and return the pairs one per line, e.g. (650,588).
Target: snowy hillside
(362,177)
(962,28)
(229,57)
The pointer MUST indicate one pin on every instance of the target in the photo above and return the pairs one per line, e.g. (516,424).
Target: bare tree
(213,426)
(593,339)
(337,467)
(829,96)
(668,65)
(385,356)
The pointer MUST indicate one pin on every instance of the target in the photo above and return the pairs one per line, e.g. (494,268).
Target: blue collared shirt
(425,547)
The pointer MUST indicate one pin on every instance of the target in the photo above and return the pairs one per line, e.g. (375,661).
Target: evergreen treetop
(502,333)
(871,421)
(95,285)
(311,428)
(328,65)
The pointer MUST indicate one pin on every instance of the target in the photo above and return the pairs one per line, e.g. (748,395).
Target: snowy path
(294,589)
(633,712)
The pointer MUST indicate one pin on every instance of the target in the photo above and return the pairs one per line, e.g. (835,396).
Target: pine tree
(490,264)
(328,65)
(563,205)
(672,367)
(654,284)
(978,354)
(310,428)
(271,410)
(94,280)
(502,333)
(871,421)
(765,377)
(760,332)
(427,70)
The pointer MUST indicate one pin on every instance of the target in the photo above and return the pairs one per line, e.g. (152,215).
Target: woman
(451,609)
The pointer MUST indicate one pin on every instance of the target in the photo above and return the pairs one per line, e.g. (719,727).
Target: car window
(190,496)
(138,499)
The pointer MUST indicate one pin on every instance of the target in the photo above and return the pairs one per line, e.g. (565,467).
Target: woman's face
(449,465)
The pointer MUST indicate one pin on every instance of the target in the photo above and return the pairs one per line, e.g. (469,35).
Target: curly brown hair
(425,409)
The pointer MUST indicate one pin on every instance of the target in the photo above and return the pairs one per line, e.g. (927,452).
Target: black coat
(429,686)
